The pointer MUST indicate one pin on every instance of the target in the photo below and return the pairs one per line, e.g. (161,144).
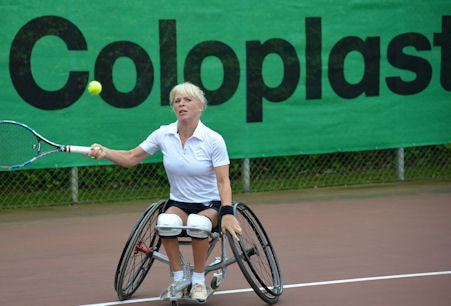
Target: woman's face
(187,108)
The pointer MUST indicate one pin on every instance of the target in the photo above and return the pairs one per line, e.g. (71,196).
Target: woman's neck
(186,130)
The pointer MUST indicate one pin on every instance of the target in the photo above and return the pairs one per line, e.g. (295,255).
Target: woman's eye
(178,100)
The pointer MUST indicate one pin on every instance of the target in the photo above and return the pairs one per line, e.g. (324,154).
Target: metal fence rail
(46,187)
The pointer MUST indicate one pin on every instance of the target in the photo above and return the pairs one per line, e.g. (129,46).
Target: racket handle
(77,149)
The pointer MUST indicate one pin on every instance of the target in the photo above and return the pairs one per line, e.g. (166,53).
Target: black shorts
(193,208)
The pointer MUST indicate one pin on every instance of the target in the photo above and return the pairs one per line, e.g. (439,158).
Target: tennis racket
(20,145)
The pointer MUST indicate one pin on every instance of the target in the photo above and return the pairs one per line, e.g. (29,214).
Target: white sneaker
(199,292)
(178,294)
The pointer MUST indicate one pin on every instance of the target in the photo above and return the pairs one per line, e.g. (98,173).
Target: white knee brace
(169,220)
(201,224)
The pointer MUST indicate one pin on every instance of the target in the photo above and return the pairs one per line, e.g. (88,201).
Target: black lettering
(168,58)
(369,84)
(417,65)
(144,74)
(20,63)
(313,62)
(444,40)
(231,69)
(257,90)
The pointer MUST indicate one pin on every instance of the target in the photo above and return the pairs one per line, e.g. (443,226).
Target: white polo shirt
(190,169)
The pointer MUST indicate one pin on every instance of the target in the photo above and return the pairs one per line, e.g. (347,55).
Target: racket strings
(17,145)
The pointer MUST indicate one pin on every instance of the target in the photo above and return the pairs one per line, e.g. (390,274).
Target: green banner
(282,78)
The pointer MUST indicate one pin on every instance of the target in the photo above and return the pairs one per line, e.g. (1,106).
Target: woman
(197,165)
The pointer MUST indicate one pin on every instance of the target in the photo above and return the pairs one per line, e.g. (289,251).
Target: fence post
(74,184)
(245,173)
(400,164)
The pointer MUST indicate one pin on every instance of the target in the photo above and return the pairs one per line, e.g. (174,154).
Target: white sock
(178,275)
(198,278)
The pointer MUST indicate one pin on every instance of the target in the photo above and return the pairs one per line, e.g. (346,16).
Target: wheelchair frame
(253,252)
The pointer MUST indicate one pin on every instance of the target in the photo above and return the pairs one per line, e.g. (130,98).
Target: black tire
(256,256)
(136,258)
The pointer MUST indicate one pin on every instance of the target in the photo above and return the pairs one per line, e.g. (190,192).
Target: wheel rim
(256,256)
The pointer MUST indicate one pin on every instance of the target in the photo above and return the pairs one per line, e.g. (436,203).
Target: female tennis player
(197,165)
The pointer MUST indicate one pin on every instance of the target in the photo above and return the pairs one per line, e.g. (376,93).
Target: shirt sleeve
(152,143)
(219,157)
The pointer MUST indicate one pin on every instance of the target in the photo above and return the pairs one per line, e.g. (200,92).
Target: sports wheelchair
(254,254)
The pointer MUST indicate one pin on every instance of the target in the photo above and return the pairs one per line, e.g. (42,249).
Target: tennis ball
(94,87)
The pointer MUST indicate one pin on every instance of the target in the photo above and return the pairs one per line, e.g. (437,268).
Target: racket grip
(77,149)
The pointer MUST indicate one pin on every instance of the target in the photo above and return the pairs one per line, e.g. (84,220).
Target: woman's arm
(122,158)
(228,222)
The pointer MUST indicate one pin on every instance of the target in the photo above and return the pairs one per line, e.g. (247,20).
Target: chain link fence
(45,187)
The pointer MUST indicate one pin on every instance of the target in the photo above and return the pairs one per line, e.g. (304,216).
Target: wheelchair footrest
(166,296)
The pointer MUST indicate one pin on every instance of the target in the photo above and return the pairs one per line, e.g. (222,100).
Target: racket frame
(58,147)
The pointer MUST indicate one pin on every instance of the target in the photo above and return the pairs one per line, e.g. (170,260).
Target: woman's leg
(200,246)
(171,245)
(200,250)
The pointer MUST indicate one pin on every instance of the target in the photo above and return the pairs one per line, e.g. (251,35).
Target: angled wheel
(136,258)
(256,256)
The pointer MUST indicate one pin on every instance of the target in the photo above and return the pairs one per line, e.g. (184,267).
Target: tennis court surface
(367,245)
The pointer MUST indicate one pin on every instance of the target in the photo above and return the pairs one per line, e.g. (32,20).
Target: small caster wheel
(215,282)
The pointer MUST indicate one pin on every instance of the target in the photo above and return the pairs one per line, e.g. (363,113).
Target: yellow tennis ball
(94,87)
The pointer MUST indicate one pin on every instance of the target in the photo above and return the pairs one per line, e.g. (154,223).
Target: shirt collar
(199,132)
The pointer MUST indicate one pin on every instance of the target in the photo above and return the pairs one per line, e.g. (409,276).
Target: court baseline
(320,283)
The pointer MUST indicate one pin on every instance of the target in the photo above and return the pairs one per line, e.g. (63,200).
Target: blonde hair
(190,90)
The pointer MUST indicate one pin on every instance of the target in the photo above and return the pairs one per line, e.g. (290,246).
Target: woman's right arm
(122,158)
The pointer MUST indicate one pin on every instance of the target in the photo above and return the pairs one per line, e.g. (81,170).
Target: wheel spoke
(136,259)
(256,257)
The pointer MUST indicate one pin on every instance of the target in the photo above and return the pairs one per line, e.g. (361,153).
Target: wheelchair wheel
(256,256)
(136,258)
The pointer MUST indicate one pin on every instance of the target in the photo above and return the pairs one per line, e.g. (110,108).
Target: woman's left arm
(228,222)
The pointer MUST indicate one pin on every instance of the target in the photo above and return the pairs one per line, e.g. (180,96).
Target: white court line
(332,282)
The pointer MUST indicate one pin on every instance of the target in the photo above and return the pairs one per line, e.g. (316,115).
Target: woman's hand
(230,223)
(97,151)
